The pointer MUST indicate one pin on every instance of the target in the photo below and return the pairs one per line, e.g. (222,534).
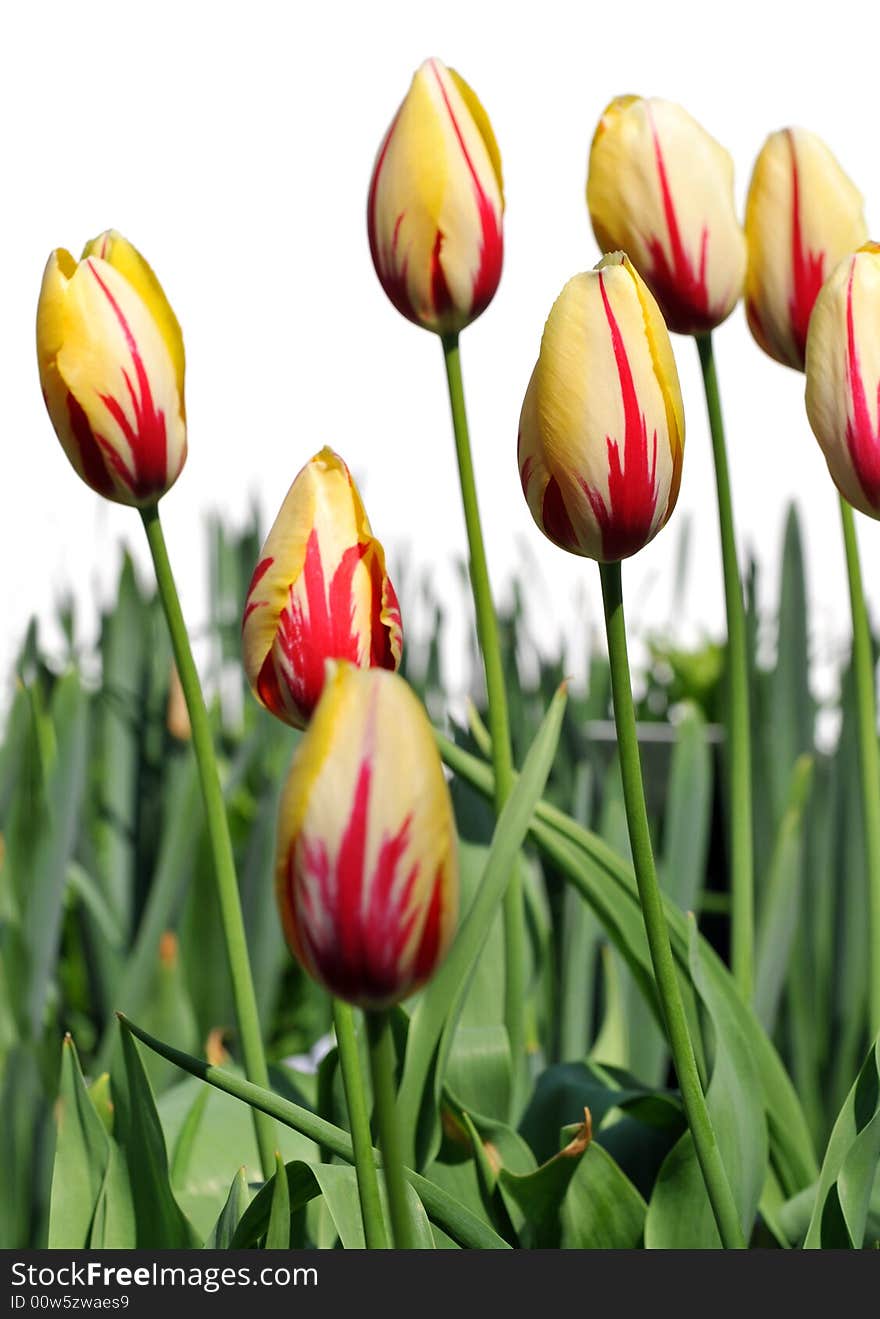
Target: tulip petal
(602,428)
(803,214)
(367,876)
(661,189)
(435,204)
(109,381)
(319,592)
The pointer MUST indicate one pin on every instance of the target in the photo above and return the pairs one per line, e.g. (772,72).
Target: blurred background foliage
(106,902)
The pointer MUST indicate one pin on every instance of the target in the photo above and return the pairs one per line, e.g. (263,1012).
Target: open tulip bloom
(319,591)
(111,361)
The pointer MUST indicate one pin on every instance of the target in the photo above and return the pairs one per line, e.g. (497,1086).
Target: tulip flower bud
(435,204)
(601,433)
(661,189)
(320,591)
(802,216)
(843,377)
(367,870)
(110,354)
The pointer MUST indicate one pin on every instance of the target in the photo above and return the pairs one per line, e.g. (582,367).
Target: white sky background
(233,144)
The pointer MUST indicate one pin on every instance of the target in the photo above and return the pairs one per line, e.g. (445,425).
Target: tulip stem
(866,710)
(499,724)
(681,1047)
(382,1067)
(359,1124)
(738,726)
(218,835)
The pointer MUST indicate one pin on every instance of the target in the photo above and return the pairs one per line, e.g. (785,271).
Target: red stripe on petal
(94,467)
(259,572)
(429,943)
(680,286)
(807,268)
(862,436)
(632,484)
(491,236)
(555,517)
(147,434)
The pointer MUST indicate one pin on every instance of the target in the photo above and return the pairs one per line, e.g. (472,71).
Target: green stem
(385,1103)
(866,708)
(218,836)
(359,1123)
(669,992)
(742,935)
(499,724)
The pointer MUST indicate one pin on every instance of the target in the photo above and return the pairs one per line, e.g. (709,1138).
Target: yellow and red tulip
(660,188)
(434,214)
(843,377)
(320,591)
(803,215)
(111,362)
(367,870)
(601,433)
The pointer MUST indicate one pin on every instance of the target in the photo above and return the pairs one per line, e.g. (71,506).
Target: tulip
(843,377)
(367,871)
(111,362)
(436,203)
(601,433)
(803,215)
(320,591)
(661,189)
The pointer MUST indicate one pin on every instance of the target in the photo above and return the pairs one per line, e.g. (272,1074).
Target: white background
(234,143)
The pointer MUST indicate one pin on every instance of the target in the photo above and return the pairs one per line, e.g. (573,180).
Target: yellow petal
(843,377)
(803,214)
(320,547)
(661,189)
(367,877)
(435,207)
(602,425)
(124,257)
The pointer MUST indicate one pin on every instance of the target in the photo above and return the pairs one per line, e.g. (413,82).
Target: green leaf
(278,1227)
(850,1165)
(782,899)
(160,1222)
(337,1184)
(222,1233)
(209,1136)
(679,1212)
(437,1012)
(608,885)
(688,814)
(539,1194)
(65,780)
(82,1152)
(168,884)
(459,1222)
(602,1210)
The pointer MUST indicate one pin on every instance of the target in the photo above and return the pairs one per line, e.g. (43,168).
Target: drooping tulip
(319,591)
(661,189)
(843,377)
(601,433)
(434,213)
(367,870)
(803,214)
(111,363)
